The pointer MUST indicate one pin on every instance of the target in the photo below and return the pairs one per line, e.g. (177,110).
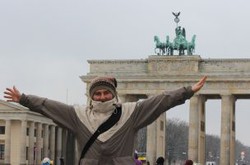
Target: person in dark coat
(189,162)
(160,160)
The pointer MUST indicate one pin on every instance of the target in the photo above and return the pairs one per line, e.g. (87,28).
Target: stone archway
(228,80)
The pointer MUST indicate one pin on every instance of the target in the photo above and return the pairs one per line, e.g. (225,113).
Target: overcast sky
(45,44)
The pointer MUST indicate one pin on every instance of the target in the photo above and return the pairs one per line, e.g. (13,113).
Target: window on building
(27,131)
(1,151)
(35,132)
(42,153)
(2,129)
(161,125)
(27,153)
(34,153)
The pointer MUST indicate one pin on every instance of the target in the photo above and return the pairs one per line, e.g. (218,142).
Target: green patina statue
(161,46)
(179,44)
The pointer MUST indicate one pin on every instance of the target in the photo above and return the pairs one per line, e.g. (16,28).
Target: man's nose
(102,96)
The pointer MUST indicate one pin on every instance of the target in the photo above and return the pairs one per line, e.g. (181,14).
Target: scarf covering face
(103,107)
(100,112)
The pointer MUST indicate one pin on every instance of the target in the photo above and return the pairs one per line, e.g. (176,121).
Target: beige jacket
(118,148)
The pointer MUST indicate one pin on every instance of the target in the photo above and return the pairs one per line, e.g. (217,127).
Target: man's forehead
(101,90)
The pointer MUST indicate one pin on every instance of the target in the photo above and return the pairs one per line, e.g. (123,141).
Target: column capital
(200,96)
(228,95)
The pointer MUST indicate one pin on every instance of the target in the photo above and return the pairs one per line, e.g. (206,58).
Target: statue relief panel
(173,65)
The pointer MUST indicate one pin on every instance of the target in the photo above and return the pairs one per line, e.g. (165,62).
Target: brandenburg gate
(228,80)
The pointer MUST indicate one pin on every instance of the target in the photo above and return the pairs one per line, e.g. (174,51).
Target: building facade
(27,137)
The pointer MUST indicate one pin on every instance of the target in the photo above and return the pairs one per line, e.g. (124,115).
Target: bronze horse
(159,45)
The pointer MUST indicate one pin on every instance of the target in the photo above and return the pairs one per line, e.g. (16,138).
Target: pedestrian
(46,161)
(61,161)
(115,146)
(189,162)
(137,161)
(160,161)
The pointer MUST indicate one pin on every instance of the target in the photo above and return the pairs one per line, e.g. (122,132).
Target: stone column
(7,142)
(64,141)
(151,142)
(52,142)
(193,129)
(202,130)
(31,143)
(227,146)
(156,138)
(70,155)
(39,143)
(23,142)
(232,137)
(46,141)
(196,139)
(59,145)
(160,134)
(151,149)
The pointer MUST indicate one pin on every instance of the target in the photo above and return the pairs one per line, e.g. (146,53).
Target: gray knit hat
(98,83)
